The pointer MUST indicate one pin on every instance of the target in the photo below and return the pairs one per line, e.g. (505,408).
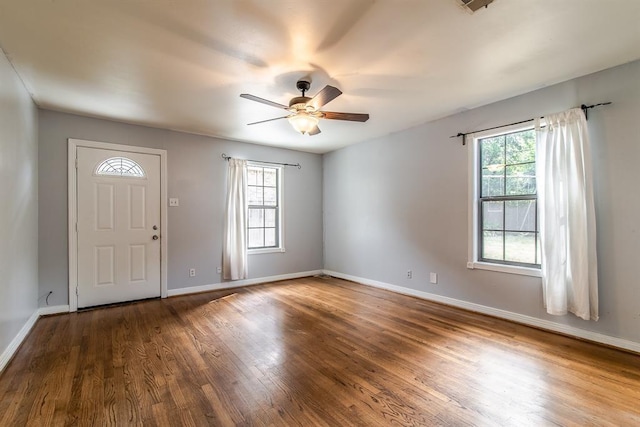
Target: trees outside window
(507,213)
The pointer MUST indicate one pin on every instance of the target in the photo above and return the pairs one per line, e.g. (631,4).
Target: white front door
(118,212)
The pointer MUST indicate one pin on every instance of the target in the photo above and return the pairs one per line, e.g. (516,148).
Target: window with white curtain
(503,224)
(264,194)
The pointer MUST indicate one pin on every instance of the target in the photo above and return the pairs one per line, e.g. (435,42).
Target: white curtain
(234,251)
(567,215)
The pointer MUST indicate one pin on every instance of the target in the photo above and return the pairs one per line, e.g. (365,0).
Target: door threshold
(116,304)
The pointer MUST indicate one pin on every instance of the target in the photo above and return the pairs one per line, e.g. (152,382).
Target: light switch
(174,201)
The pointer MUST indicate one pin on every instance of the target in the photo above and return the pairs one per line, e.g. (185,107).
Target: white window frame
(280,216)
(473,217)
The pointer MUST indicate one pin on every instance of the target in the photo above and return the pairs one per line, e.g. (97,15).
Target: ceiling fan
(305,112)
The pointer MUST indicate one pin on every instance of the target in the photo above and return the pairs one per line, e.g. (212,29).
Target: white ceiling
(182,64)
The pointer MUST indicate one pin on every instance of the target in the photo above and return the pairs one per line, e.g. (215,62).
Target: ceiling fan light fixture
(303,122)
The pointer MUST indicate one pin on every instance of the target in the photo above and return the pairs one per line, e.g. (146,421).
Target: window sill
(511,269)
(264,251)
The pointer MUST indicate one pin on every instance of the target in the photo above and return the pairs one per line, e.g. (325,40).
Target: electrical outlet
(409,274)
(192,272)
(219,270)
(433,277)
(174,201)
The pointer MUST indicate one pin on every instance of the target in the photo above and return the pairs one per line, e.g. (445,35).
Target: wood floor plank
(311,351)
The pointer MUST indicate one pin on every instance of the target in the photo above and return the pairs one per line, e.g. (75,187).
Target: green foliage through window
(508,231)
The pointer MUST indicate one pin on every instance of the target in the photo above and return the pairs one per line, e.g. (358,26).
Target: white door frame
(73,210)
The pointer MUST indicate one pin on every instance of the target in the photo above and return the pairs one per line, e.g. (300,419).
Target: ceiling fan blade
(314,131)
(352,117)
(326,95)
(262,100)
(268,120)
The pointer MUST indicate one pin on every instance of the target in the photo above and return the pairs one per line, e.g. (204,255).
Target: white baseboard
(8,353)
(240,283)
(54,309)
(503,314)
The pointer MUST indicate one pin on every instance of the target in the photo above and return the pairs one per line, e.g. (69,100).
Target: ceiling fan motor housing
(299,100)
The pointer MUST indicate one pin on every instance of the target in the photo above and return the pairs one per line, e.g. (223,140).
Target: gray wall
(18,205)
(400,203)
(197,176)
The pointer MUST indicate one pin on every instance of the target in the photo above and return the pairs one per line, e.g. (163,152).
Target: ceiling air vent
(474,5)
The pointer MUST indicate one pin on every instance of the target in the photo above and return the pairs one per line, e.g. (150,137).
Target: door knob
(155,237)
(155,227)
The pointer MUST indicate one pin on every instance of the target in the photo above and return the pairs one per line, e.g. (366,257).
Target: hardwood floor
(310,352)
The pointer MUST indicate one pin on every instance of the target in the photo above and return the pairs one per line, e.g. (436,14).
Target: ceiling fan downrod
(303,86)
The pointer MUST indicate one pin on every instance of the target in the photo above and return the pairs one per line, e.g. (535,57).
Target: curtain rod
(464,134)
(298,165)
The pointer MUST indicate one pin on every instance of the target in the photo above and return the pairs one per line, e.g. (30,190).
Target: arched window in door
(120,166)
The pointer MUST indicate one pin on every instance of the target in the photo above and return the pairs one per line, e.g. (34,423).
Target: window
(120,166)
(265,208)
(505,231)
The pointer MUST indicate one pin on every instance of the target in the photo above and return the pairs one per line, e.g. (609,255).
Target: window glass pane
(270,177)
(263,197)
(508,227)
(269,236)
(492,151)
(120,166)
(270,196)
(269,217)
(259,176)
(256,237)
(256,217)
(493,182)
(521,147)
(492,215)
(521,179)
(255,195)
(492,245)
(520,247)
(251,176)
(520,215)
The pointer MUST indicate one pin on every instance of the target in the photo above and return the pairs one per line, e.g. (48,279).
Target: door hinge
(76,291)
(76,163)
